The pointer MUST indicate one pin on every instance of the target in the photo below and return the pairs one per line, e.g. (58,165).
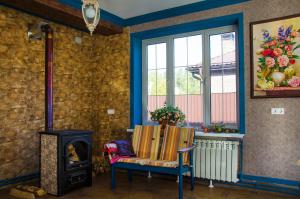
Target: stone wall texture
(88,78)
(271,144)
(111,87)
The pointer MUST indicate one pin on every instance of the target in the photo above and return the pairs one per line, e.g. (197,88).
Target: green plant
(218,128)
(169,114)
(100,165)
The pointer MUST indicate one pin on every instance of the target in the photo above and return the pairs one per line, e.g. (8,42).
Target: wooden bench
(176,153)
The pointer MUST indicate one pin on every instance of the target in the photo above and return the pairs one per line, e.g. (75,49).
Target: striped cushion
(163,163)
(145,141)
(141,161)
(157,163)
(176,138)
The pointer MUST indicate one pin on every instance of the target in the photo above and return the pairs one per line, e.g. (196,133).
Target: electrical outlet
(277,111)
(110,111)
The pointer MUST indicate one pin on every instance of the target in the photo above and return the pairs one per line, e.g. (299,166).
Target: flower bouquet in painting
(277,61)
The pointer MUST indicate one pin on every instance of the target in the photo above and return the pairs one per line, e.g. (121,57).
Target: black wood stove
(66,155)
(66,160)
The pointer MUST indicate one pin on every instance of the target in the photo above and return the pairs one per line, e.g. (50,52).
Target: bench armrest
(184,150)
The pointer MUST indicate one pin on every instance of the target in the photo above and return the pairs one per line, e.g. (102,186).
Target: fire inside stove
(76,154)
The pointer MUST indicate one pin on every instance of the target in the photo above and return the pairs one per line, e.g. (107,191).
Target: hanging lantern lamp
(91,14)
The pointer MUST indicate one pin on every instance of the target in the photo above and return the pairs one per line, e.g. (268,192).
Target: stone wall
(88,78)
(111,87)
(72,79)
(271,144)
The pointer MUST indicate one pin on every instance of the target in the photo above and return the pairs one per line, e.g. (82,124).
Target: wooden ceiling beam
(54,11)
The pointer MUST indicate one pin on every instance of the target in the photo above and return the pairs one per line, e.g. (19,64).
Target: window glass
(157,79)
(223,78)
(180,52)
(188,71)
(203,87)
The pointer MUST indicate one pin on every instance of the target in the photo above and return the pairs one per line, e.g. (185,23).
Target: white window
(198,72)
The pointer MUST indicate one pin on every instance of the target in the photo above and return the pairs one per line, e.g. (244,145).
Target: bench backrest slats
(145,141)
(176,138)
(170,143)
(186,140)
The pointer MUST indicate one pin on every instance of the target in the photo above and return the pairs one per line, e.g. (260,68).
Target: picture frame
(275,57)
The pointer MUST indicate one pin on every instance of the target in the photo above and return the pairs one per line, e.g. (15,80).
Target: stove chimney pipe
(48,77)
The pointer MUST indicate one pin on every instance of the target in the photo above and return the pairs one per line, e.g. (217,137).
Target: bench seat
(175,157)
(142,161)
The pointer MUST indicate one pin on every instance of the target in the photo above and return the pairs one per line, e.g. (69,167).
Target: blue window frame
(136,59)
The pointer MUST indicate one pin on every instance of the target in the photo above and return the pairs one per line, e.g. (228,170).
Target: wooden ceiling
(54,11)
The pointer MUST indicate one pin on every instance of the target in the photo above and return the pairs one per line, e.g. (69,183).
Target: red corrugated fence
(223,107)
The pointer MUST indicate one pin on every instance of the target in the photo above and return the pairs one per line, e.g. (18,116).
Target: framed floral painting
(275,57)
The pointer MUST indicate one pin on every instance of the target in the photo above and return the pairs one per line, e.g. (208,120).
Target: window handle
(201,78)
(198,77)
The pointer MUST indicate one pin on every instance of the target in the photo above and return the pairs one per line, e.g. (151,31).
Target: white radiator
(216,160)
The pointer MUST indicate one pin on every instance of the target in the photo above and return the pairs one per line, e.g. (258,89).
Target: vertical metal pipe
(48,77)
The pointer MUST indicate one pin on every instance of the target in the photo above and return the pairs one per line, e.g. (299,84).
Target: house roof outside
(225,64)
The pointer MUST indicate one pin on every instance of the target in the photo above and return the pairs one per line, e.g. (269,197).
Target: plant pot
(163,124)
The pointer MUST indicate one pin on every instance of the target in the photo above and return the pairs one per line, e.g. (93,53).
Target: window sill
(216,135)
(219,135)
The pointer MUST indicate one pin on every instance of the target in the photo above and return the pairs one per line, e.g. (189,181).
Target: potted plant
(218,128)
(167,115)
